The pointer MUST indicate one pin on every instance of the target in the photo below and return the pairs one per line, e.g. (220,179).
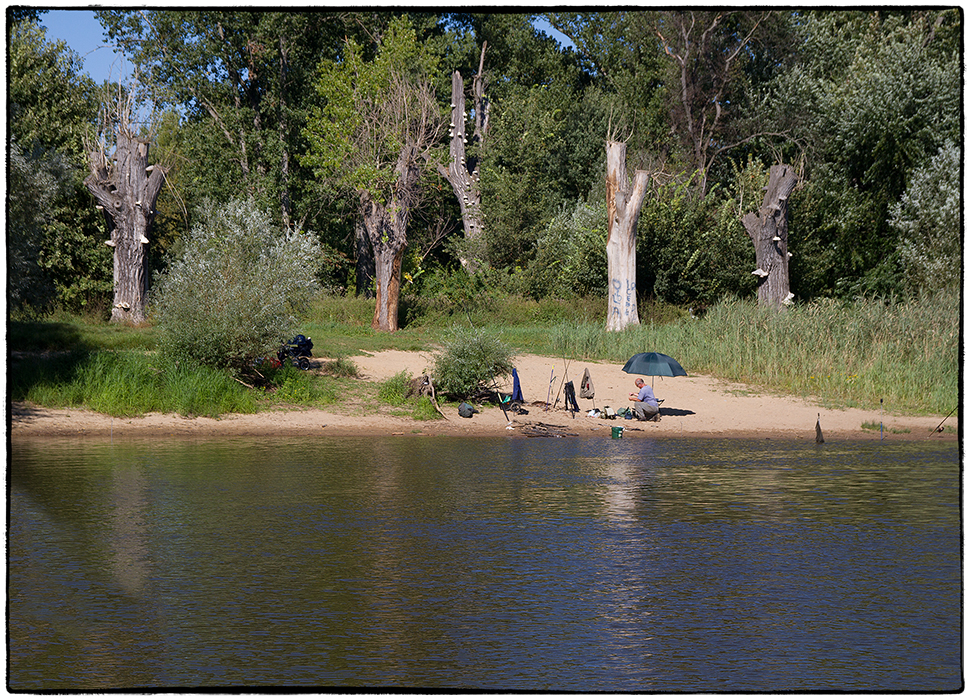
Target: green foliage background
(865,103)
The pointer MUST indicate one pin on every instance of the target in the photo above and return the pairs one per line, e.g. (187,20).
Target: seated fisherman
(645,403)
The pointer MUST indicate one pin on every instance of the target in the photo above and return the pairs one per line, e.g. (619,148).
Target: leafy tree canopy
(51,99)
(355,134)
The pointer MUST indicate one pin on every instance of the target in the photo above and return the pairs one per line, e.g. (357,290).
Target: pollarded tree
(126,186)
(463,169)
(768,229)
(372,137)
(623,202)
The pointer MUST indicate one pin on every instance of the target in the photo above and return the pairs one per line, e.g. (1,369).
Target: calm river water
(498,564)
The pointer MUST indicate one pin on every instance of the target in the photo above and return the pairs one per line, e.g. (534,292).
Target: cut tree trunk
(463,171)
(623,203)
(365,259)
(127,190)
(388,275)
(387,230)
(768,229)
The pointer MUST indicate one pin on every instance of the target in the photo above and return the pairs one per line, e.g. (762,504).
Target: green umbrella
(654,364)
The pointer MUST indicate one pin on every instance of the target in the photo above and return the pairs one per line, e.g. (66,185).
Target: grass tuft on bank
(394,392)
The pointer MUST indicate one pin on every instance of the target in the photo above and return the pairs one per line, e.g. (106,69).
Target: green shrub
(470,361)
(395,389)
(571,255)
(236,288)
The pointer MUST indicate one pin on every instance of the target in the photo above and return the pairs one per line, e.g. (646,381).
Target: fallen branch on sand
(434,399)
(545,430)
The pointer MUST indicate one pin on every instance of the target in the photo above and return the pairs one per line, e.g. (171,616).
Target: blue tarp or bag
(516,387)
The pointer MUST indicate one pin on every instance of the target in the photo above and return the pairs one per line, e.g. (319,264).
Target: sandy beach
(695,406)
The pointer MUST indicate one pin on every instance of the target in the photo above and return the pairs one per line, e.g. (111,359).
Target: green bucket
(617,432)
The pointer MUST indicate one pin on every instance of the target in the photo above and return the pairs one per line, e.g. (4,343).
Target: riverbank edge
(26,422)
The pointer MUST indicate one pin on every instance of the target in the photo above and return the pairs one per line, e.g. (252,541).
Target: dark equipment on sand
(298,350)
(571,404)
(586,390)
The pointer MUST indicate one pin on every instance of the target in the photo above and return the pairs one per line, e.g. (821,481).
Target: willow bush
(471,360)
(236,289)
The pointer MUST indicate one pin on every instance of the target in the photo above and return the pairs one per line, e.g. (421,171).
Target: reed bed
(844,353)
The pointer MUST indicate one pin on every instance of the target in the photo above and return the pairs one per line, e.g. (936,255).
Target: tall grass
(128,384)
(846,353)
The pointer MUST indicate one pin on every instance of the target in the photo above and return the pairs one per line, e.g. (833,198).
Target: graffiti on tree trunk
(622,301)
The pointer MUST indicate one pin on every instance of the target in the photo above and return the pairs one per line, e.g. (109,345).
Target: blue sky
(84,34)
(544,26)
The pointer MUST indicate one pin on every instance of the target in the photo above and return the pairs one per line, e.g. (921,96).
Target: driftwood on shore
(546,430)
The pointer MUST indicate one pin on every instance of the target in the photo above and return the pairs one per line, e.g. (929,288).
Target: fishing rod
(552,378)
(937,429)
(565,376)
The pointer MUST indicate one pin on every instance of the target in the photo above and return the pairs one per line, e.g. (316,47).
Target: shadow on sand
(664,411)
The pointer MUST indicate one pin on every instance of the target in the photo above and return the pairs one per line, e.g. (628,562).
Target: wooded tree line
(418,146)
